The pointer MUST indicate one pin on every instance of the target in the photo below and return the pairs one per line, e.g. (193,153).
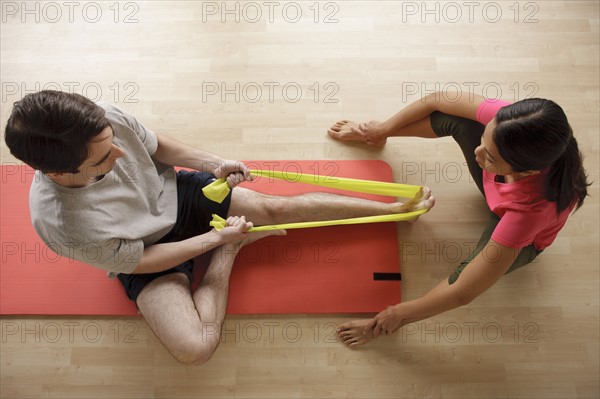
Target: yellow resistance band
(217,191)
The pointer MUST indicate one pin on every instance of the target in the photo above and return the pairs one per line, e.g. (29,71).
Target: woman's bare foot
(352,334)
(370,133)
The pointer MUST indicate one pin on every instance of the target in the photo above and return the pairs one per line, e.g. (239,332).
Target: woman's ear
(529,173)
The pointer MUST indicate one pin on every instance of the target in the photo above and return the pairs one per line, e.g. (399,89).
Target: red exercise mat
(319,270)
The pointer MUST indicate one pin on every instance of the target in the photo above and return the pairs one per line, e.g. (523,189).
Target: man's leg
(211,296)
(262,209)
(166,304)
(189,325)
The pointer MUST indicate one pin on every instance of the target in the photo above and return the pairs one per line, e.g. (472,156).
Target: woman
(524,160)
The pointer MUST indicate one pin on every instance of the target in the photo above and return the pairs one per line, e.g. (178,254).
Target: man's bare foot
(351,333)
(252,237)
(423,200)
(369,133)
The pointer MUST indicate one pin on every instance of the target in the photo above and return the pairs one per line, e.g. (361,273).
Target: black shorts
(194,213)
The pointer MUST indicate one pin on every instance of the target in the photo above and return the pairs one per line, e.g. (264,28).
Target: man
(106,193)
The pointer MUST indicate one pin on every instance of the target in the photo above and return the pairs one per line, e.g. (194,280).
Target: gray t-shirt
(108,223)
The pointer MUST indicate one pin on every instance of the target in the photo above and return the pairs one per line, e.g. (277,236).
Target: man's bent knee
(195,351)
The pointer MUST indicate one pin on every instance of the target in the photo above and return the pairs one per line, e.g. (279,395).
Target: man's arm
(160,257)
(479,275)
(175,153)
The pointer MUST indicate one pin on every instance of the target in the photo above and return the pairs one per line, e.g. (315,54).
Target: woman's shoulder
(488,108)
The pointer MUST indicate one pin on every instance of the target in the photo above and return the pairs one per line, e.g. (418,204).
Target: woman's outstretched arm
(478,276)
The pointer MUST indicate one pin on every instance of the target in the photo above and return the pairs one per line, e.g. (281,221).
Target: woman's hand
(385,323)
(374,132)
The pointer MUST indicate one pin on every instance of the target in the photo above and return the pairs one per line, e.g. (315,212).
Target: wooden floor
(267,87)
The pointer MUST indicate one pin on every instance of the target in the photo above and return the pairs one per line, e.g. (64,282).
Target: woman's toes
(345,130)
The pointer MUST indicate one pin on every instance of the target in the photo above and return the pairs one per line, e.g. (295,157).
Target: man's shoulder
(126,126)
(115,114)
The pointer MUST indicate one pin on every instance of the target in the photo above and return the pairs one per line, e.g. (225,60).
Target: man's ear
(54,175)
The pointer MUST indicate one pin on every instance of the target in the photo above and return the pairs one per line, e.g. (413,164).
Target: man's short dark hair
(51,130)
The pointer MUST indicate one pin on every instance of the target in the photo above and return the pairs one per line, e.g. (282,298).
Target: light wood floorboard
(534,335)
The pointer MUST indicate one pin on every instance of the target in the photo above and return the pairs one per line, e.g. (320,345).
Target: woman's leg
(373,132)
(466,132)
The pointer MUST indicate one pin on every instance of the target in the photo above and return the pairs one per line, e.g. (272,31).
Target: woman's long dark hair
(534,134)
